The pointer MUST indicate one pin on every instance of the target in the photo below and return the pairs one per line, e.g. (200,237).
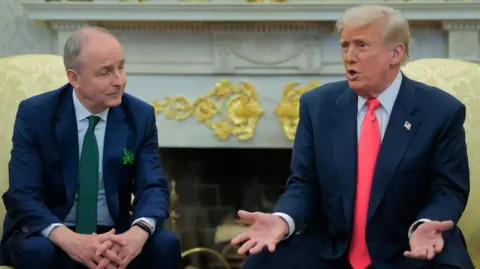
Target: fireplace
(212,184)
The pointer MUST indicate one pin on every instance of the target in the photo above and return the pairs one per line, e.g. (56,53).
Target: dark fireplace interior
(212,185)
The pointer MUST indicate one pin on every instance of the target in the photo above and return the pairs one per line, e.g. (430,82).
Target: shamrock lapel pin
(128,157)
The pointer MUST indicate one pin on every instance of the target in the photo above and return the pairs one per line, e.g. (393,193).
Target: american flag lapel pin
(407,125)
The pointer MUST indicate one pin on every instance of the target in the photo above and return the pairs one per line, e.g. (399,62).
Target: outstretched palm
(427,240)
(266,231)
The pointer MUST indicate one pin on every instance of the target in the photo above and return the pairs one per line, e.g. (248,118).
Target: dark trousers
(161,251)
(300,256)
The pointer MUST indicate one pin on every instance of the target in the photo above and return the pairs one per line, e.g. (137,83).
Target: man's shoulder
(43,101)
(136,106)
(329,91)
(431,96)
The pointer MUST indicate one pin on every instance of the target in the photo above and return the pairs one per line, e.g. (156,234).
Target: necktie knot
(92,122)
(373,104)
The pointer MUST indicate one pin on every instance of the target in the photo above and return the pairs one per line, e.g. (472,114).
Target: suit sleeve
(302,191)
(24,198)
(450,174)
(152,197)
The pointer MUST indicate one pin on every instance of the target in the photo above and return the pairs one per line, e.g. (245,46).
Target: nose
(351,54)
(119,78)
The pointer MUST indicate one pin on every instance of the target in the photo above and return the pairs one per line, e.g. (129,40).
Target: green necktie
(88,181)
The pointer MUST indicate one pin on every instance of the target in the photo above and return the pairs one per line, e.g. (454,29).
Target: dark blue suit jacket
(44,165)
(420,173)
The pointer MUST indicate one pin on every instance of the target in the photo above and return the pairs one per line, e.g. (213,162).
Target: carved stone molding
(463,40)
(267,53)
(229,110)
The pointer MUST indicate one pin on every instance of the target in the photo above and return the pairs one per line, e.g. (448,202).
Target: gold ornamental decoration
(288,109)
(229,110)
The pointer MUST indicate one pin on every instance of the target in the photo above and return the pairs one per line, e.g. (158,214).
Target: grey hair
(395,30)
(74,43)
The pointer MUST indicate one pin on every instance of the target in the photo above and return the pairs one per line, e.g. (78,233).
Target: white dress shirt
(103,215)
(387,100)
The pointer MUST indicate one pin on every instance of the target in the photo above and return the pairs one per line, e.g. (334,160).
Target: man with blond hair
(79,153)
(380,174)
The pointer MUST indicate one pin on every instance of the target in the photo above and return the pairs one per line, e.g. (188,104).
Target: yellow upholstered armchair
(21,77)
(461,79)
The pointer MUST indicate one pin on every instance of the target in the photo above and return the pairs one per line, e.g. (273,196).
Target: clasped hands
(267,230)
(102,251)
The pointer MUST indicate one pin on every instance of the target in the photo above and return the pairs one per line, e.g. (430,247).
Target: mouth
(352,74)
(113,94)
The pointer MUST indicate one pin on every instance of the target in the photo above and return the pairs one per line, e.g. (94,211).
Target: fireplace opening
(211,185)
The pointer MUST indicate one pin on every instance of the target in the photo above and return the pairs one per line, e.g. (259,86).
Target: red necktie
(368,148)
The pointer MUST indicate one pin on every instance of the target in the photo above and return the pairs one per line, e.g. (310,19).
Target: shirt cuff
(150,221)
(415,225)
(46,232)
(290,222)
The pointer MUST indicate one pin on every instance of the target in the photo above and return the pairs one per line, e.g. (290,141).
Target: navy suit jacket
(43,169)
(420,173)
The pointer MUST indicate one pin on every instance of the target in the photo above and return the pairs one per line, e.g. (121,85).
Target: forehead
(102,49)
(371,32)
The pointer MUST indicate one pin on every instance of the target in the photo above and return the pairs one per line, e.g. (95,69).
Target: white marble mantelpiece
(184,49)
(238,10)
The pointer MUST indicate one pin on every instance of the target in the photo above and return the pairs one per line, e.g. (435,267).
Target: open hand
(266,231)
(427,240)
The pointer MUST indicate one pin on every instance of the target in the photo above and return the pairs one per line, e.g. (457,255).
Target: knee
(38,249)
(165,243)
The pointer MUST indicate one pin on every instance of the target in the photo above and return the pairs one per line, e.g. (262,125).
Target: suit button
(24,229)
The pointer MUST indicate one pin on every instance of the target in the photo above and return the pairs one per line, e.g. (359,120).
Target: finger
(248,215)
(271,247)
(111,266)
(439,246)
(107,235)
(240,238)
(103,264)
(430,253)
(246,247)
(444,225)
(117,239)
(112,256)
(103,247)
(257,248)
(415,254)
(89,263)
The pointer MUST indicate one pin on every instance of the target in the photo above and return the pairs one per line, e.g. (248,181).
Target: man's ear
(398,54)
(73,78)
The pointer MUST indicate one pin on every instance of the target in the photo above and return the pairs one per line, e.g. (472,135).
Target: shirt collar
(387,97)
(82,113)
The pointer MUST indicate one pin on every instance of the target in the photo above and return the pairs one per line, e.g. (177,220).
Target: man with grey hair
(380,173)
(79,153)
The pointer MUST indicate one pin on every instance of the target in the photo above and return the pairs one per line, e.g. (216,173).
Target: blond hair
(396,28)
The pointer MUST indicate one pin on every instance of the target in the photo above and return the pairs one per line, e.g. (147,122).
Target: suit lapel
(344,122)
(401,128)
(116,137)
(67,141)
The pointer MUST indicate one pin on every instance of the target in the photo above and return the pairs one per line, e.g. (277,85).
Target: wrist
(142,233)
(286,227)
(59,234)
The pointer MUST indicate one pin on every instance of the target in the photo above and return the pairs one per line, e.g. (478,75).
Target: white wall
(18,35)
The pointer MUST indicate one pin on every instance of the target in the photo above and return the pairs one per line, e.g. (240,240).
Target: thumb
(248,215)
(444,225)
